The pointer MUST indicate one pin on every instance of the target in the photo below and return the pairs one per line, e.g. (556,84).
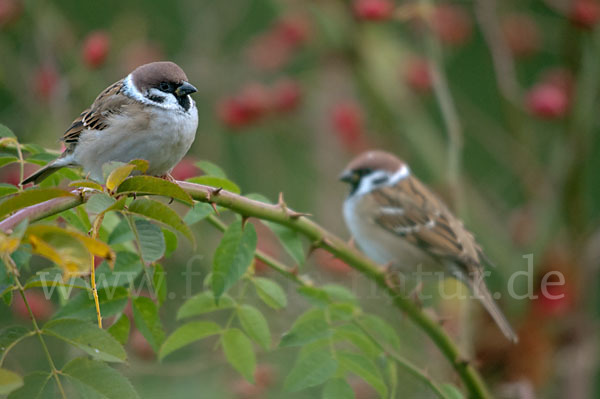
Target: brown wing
(110,102)
(411,211)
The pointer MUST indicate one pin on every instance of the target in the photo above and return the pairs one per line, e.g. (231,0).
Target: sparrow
(396,220)
(148,115)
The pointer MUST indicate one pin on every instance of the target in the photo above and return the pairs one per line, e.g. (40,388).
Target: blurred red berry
(185,169)
(264,377)
(555,301)
(95,49)
(244,108)
(46,80)
(348,123)
(140,346)
(294,29)
(10,10)
(547,101)
(373,10)
(585,13)
(285,95)
(332,264)
(452,24)
(417,75)
(561,78)
(269,51)
(522,34)
(41,307)
(11,174)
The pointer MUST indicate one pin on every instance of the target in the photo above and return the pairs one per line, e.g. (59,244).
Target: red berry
(10,10)
(185,169)
(373,10)
(452,24)
(285,95)
(332,264)
(293,29)
(95,49)
(585,13)
(522,34)
(46,82)
(561,78)
(348,123)
(417,75)
(140,345)
(547,101)
(269,51)
(41,307)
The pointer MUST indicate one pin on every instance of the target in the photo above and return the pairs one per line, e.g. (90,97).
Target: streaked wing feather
(109,102)
(424,221)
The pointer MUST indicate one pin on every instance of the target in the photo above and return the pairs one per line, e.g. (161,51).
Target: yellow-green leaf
(86,184)
(117,176)
(154,186)
(186,334)
(161,213)
(9,381)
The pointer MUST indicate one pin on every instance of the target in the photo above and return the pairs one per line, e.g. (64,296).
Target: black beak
(348,177)
(184,89)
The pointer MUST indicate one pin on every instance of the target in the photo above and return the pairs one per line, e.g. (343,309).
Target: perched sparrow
(395,219)
(147,115)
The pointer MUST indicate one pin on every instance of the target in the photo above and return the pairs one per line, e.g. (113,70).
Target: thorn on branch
(244,221)
(214,207)
(288,212)
(216,191)
(171,200)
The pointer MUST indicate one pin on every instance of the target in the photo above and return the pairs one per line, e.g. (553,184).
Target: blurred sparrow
(395,219)
(147,115)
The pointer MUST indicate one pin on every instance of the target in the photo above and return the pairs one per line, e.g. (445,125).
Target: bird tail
(46,171)
(485,297)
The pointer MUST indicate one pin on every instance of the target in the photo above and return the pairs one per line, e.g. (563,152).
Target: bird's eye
(164,86)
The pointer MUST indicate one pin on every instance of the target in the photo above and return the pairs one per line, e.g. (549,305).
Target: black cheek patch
(157,99)
(185,102)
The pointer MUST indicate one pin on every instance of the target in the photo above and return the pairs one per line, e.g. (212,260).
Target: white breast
(162,137)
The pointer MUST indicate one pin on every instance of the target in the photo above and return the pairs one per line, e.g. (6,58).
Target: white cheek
(169,101)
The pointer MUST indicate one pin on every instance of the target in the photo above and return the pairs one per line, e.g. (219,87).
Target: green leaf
(309,327)
(161,213)
(290,240)
(451,391)
(154,186)
(9,381)
(120,329)
(74,220)
(6,132)
(233,256)
(339,293)
(34,387)
(216,182)
(82,306)
(210,169)
(8,159)
(95,379)
(239,352)
(199,211)
(31,197)
(204,302)
(53,277)
(341,312)
(338,388)
(354,335)
(145,314)
(159,282)
(186,334)
(9,337)
(121,233)
(6,189)
(379,328)
(117,176)
(365,369)
(270,292)
(314,368)
(152,241)
(99,202)
(170,242)
(127,268)
(87,337)
(255,325)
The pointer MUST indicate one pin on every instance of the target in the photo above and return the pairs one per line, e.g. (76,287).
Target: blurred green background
(290,91)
